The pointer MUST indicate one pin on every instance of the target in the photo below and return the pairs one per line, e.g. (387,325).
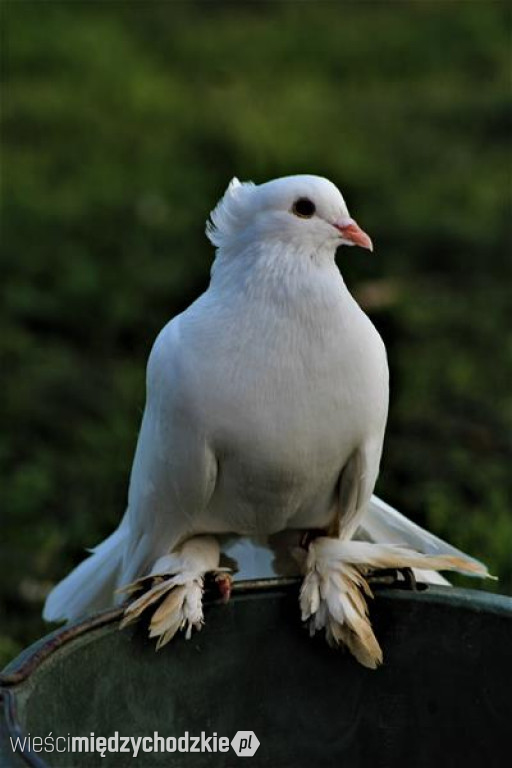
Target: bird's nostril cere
(353,234)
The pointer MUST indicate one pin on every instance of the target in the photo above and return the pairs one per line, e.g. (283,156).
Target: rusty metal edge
(22,669)
(56,640)
(61,637)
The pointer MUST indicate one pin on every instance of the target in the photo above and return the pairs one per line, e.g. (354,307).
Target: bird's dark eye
(304,208)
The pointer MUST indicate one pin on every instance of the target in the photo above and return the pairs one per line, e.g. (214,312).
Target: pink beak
(355,235)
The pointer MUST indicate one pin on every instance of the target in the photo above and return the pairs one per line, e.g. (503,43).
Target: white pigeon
(266,409)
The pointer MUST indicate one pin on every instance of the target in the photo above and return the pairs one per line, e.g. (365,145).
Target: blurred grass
(123,123)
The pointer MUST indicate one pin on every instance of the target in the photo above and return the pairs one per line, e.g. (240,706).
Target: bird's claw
(222,582)
(390,577)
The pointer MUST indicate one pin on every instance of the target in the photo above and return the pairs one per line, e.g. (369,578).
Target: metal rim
(21,667)
(30,660)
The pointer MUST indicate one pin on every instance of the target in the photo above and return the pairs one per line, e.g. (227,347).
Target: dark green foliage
(123,123)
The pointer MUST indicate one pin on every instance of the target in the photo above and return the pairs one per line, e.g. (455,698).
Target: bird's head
(307,212)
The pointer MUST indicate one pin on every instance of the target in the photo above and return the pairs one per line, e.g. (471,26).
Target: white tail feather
(383,524)
(89,587)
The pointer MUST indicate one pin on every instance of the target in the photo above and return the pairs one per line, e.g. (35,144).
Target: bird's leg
(176,585)
(333,597)
(337,572)
(334,590)
(336,569)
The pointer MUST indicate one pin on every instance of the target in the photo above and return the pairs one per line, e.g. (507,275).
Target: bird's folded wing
(174,470)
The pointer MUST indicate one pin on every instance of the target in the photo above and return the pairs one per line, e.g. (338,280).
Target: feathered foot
(335,587)
(176,582)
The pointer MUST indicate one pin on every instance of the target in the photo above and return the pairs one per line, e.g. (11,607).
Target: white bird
(266,408)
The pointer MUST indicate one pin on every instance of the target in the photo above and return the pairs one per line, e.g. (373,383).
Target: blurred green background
(123,123)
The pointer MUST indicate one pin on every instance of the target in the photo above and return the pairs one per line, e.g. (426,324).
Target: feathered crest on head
(229,213)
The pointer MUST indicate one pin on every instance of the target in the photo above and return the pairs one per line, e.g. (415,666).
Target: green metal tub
(442,697)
